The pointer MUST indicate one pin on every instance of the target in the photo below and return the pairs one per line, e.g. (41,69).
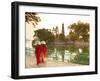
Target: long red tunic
(44,49)
(38,54)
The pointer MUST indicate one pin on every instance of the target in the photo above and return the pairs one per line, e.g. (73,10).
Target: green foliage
(79,31)
(44,34)
(81,59)
(62,37)
(73,36)
(32,17)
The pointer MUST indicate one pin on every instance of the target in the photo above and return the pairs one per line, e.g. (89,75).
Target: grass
(81,59)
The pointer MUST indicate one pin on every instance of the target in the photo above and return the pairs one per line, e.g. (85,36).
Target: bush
(81,59)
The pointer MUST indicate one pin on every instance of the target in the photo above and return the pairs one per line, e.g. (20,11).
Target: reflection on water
(66,54)
(61,53)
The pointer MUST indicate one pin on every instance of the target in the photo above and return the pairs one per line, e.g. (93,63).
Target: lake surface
(65,54)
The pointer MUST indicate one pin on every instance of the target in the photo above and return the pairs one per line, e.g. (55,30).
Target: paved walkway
(31,62)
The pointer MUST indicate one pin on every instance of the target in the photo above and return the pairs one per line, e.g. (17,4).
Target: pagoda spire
(63,28)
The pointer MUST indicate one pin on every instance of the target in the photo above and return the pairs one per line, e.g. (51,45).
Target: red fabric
(44,49)
(38,54)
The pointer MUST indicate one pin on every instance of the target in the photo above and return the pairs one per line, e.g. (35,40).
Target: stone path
(31,62)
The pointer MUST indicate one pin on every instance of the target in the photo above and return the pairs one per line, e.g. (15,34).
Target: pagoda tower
(63,29)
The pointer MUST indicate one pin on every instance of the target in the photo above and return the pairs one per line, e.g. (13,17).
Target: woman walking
(38,53)
(44,51)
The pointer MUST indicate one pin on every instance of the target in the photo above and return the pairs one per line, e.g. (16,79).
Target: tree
(62,37)
(44,34)
(79,31)
(73,36)
(32,17)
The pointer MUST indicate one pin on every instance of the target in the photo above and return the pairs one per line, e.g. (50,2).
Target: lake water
(65,54)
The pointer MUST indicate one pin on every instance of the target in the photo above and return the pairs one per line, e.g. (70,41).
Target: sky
(49,21)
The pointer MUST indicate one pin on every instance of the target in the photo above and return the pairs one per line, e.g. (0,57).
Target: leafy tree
(32,17)
(79,31)
(62,37)
(73,36)
(44,34)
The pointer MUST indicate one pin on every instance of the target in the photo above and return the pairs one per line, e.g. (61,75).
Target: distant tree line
(77,31)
